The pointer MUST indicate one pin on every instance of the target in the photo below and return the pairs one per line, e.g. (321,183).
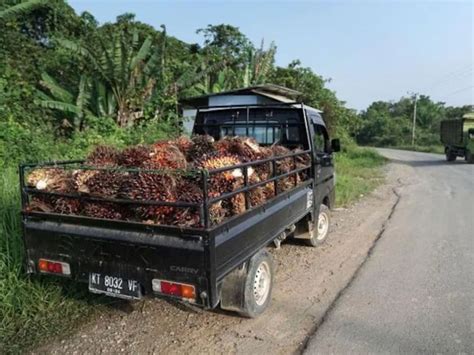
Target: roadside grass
(33,309)
(357,173)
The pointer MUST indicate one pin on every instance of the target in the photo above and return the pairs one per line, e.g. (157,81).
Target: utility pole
(414,120)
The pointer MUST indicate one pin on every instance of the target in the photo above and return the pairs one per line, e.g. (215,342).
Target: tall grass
(357,173)
(30,308)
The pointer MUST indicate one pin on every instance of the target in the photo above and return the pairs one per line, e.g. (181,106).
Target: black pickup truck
(225,264)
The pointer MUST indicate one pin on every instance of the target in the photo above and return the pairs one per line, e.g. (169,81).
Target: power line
(453,74)
(460,90)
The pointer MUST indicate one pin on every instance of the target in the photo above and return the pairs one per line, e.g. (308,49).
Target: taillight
(174,289)
(54,267)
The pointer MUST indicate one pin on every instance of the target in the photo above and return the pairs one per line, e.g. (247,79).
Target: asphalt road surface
(415,292)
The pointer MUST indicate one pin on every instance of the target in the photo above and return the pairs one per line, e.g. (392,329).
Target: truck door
(324,165)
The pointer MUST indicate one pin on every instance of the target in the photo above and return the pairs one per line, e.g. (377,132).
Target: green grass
(30,308)
(357,173)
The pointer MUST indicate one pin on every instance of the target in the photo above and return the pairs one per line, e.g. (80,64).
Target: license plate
(114,286)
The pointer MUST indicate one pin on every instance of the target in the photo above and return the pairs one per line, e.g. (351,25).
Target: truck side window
(319,139)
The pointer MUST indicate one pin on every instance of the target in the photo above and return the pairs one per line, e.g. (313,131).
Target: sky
(370,50)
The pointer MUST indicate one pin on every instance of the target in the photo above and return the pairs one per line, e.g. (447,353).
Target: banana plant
(129,71)
(74,106)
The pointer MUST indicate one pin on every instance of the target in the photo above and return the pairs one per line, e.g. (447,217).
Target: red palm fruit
(203,145)
(166,155)
(283,166)
(184,144)
(221,182)
(188,190)
(103,156)
(134,157)
(302,161)
(246,148)
(150,187)
(81,177)
(105,183)
(105,210)
(65,205)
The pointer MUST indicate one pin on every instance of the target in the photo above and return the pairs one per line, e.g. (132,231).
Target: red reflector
(53,267)
(174,289)
(171,288)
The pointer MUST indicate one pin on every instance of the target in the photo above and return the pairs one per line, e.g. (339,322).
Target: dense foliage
(391,123)
(67,80)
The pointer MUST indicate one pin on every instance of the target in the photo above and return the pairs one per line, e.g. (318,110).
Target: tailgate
(141,255)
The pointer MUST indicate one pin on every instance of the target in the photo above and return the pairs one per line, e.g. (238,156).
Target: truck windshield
(267,125)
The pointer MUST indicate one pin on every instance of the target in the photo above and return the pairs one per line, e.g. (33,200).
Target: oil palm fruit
(134,157)
(165,155)
(106,210)
(283,166)
(65,205)
(188,190)
(203,145)
(150,187)
(103,156)
(184,144)
(50,179)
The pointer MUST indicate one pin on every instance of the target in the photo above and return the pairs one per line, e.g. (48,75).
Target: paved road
(415,293)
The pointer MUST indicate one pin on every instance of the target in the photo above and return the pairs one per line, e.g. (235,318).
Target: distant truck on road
(458,138)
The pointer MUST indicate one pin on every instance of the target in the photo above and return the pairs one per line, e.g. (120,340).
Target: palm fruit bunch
(184,143)
(202,146)
(302,161)
(166,155)
(107,210)
(150,186)
(48,180)
(283,166)
(103,183)
(222,183)
(188,190)
(135,156)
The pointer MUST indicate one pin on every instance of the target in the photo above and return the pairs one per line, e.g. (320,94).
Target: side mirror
(336,145)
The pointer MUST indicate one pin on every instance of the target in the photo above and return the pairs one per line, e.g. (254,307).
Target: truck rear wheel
(320,231)
(450,155)
(248,290)
(258,285)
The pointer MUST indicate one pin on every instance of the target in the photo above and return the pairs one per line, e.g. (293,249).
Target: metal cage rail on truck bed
(205,175)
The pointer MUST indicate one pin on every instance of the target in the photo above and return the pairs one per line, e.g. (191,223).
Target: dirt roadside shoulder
(308,281)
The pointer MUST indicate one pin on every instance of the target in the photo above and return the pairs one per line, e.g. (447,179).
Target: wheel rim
(323,225)
(261,283)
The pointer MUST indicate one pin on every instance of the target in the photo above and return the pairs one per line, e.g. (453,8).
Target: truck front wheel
(469,157)
(320,231)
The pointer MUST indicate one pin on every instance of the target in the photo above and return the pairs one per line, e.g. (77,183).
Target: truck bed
(144,252)
(202,257)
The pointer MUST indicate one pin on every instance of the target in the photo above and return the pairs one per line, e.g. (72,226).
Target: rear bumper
(111,252)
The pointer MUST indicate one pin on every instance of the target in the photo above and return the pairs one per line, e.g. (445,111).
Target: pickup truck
(225,264)
(457,135)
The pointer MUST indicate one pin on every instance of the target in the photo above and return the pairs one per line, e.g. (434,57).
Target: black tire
(450,156)
(469,157)
(258,287)
(317,239)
